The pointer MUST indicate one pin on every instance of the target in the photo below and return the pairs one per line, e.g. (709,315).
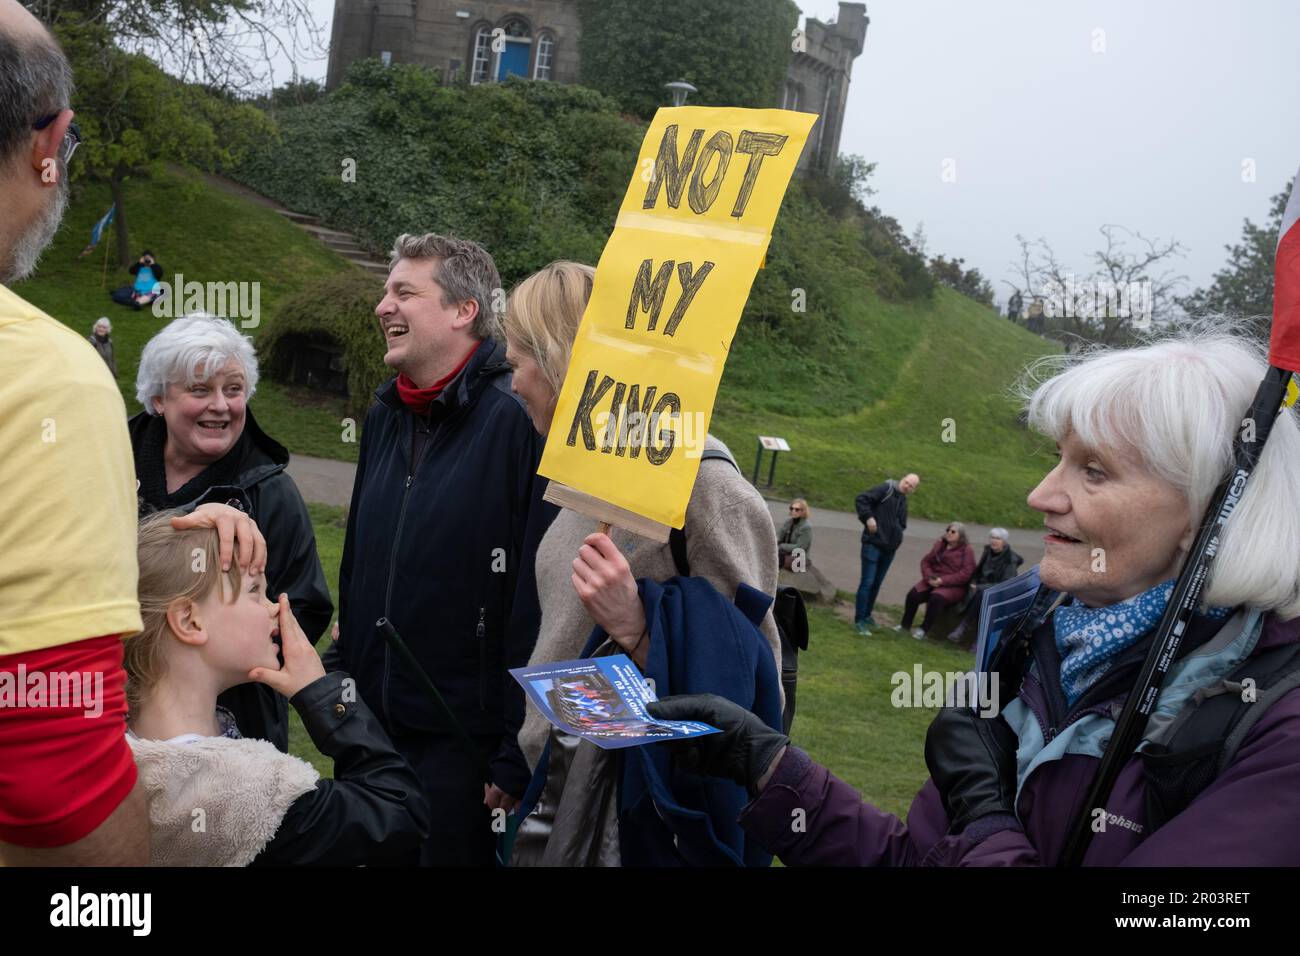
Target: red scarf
(419,399)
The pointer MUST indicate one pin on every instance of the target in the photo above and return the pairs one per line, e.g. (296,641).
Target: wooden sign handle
(602,527)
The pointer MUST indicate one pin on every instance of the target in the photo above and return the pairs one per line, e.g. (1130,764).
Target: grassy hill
(867,401)
(207,235)
(878,403)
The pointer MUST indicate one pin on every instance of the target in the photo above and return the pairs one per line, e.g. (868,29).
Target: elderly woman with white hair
(197,441)
(101,337)
(1144,435)
(998,563)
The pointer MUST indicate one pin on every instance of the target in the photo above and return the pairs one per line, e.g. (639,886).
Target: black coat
(888,506)
(255,481)
(373,810)
(445,549)
(995,568)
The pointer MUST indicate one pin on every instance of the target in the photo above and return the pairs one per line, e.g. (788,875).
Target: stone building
(538,39)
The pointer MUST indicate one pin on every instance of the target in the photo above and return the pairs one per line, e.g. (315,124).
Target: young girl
(216,799)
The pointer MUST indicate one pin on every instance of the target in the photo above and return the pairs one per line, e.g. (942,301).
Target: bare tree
(226,45)
(1127,291)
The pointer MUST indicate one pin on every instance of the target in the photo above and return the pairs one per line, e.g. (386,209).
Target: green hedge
(735,52)
(339,310)
(532,171)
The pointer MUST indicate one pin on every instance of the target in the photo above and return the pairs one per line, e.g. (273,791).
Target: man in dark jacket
(442,536)
(883,513)
(252,478)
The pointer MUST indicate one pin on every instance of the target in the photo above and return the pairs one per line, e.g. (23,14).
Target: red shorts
(65,764)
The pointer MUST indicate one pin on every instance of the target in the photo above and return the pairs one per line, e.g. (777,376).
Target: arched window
(516,27)
(481,59)
(791,98)
(545,59)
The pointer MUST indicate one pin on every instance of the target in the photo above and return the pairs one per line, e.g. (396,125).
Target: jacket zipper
(481,633)
(392,559)
(388,593)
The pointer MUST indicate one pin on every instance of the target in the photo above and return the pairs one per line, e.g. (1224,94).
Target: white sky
(1052,139)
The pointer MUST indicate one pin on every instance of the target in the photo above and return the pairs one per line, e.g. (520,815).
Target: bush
(735,52)
(532,171)
(339,310)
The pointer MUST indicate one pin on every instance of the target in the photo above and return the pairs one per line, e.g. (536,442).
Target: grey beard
(27,250)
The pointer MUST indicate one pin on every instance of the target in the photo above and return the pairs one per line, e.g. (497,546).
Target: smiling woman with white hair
(1145,436)
(101,337)
(197,441)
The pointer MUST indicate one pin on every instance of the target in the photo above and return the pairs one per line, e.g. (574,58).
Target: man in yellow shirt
(68,789)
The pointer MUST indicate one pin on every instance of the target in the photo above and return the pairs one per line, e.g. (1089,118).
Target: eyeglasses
(71,137)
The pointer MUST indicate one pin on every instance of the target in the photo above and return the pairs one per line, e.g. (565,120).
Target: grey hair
(960,529)
(1178,403)
(188,350)
(1000,533)
(35,80)
(102,320)
(466,271)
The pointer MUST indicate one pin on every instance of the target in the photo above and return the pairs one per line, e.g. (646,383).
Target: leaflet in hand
(1004,604)
(602,699)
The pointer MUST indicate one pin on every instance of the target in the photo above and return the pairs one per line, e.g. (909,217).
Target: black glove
(742,752)
(972,760)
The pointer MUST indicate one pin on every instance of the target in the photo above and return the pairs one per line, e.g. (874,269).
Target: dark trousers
(875,563)
(461,833)
(934,605)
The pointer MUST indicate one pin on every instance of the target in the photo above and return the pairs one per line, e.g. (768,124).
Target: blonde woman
(205,631)
(795,538)
(730,540)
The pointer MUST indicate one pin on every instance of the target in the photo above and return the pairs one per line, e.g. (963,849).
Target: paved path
(836,549)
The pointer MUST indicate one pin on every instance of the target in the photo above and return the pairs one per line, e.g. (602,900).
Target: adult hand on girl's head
(302,665)
(608,591)
(233,527)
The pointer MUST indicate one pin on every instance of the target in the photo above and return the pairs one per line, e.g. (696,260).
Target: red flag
(1284,343)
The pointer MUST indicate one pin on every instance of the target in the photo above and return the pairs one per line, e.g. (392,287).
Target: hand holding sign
(631,419)
(608,591)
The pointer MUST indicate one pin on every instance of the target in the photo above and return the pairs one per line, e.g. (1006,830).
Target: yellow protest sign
(694,226)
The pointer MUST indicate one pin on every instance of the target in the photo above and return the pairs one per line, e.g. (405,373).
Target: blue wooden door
(514,60)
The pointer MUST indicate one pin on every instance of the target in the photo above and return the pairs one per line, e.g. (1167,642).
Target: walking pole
(398,645)
(1284,361)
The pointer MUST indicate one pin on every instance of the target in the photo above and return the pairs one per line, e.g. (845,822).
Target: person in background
(795,538)
(882,509)
(197,441)
(998,563)
(101,338)
(945,571)
(148,274)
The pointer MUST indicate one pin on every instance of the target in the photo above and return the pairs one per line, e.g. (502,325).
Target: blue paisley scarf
(1089,638)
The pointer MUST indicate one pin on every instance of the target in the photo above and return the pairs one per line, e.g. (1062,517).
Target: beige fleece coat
(216,801)
(730,539)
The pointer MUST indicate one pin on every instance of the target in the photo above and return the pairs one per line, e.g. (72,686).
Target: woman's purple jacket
(1248,816)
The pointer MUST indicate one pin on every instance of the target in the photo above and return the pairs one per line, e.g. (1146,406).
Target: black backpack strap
(1211,727)
(677,536)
